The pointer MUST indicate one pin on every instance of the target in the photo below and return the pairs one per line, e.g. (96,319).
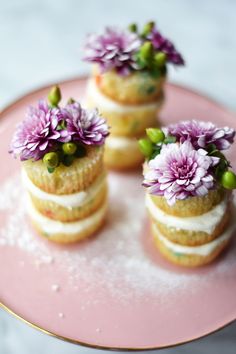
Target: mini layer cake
(126,86)
(61,149)
(189,190)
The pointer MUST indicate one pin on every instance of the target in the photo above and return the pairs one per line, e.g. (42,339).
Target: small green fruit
(155,135)
(51,160)
(228,180)
(54,96)
(69,148)
(146,147)
(160,59)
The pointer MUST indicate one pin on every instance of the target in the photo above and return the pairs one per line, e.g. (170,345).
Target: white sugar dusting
(115,261)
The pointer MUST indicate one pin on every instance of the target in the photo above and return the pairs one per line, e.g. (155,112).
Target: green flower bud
(68,160)
(81,151)
(146,51)
(69,148)
(160,59)
(54,96)
(70,100)
(51,160)
(228,180)
(155,135)
(148,28)
(146,147)
(133,27)
(170,139)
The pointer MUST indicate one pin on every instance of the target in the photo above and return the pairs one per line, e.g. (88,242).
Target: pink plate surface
(114,290)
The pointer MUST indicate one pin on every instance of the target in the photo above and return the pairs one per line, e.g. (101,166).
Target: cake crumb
(61,315)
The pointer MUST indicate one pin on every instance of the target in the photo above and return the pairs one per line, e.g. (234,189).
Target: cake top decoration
(57,134)
(186,160)
(130,50)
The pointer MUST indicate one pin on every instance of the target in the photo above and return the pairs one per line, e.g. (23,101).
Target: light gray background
(40,42)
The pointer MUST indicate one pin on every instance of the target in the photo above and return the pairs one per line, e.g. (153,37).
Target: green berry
(155,135)
(51,160)
(146,147)
(69,148)
(54,96)
(146,51)
(133,27)
(148,28)
(228,180)
(160,59)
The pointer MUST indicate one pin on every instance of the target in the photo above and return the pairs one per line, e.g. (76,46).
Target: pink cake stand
(114,291)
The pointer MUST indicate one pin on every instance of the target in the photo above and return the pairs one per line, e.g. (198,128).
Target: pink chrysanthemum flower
(37,134)
(114,49)
(179,172)
(162,44)
(85,125)
(202,134)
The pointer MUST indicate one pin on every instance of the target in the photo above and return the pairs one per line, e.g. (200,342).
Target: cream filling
(122,143)
(205,222)
(104,103)
(203,250)
(67,200)
(50,226)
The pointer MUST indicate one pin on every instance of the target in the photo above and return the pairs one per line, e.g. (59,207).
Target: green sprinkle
(150,90)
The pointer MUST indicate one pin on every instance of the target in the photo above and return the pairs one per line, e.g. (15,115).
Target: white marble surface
(40,42)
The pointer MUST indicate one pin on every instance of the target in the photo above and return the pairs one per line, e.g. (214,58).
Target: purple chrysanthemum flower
(164,45)
(114,49)
(202,134)
(85,125)
(37,134)
(179,172)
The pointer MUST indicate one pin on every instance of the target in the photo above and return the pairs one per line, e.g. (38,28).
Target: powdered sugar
(116,260)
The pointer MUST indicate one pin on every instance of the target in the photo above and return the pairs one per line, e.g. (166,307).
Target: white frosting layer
(121,143)
(66,200)
(103,102)
(203,250)
(205,222)
(50,226)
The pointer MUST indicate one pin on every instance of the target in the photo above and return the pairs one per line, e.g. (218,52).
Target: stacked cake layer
(129,110)
(69,204)
(193,231)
